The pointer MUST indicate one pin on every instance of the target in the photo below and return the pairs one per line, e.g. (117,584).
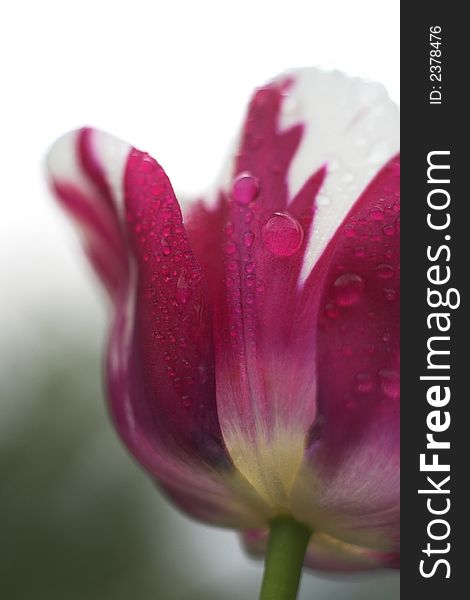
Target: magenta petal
(160,364)
(172,340)
(353,448)
(253,269)
(359,333)
(80,184)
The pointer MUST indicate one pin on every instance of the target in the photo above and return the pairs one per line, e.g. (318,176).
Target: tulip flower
(253,358)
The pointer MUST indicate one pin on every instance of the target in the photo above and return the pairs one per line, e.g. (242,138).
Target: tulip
(253,358)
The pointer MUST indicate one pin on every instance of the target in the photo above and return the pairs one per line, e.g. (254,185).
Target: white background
(172,78)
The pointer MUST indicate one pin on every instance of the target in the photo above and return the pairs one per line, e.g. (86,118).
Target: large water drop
(348,289)
(282,234)
(245,188)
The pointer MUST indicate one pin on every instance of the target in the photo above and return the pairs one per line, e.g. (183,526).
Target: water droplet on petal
(249,265)
(260,285)
(384,271)
(245,188)
(250,280)
(230,247)
(390,383)
(376,214)
(390,294)
(360,251)
(166,250)
(282,234)
(229,228)
(364,382)
(350,231)
(389,230)
(348,289)
(248,217)
(331,310)
(248,238)
(186,401)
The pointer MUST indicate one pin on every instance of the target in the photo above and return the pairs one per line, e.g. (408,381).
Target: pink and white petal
(351,467)
(311,143)
(85,190)
(160,365)
(326,554)
(352,128)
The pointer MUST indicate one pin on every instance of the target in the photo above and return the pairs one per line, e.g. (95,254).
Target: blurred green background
(79,519)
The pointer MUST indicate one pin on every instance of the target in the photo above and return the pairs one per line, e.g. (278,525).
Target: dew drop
(230,247)
(389,230)
(364,383)
(186,401)
(248,217)
(260,285)
(384,271)
(348,289)
(248,238)
(331,311)
(282,234)
(229,228)
(390,383)
(390,294)
(166,250)
(376,214)
(350,231)
(250,280)
(245,188)
(249,265)
(360,251)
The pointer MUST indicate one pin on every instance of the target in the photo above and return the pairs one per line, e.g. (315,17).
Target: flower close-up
(252,364)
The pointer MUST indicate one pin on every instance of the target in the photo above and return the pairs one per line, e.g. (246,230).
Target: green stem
(288,541)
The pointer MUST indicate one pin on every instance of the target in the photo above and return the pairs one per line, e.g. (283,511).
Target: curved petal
(311,143)
(351,469)
(326,554)
(160,364)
